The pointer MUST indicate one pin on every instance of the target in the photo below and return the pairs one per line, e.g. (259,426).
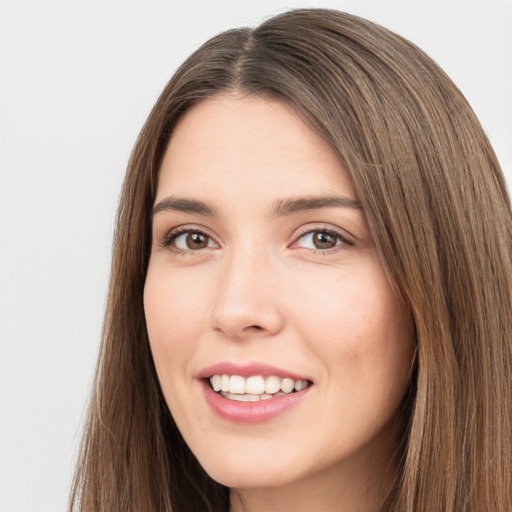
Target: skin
(261,291)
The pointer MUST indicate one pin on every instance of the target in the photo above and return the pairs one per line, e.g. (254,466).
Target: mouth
(252,392)
(255,388)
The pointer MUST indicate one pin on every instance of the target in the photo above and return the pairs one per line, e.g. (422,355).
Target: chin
(246,473)
(248,479)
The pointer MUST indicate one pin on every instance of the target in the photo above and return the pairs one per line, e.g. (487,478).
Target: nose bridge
(245,302)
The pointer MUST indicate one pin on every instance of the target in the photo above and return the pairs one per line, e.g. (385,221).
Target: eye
(321,239)
(189,240)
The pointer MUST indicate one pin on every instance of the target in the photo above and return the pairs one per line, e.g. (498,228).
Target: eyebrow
(177,204)
(292,205)
(281,207)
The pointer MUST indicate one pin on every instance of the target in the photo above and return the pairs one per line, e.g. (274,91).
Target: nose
(246,303)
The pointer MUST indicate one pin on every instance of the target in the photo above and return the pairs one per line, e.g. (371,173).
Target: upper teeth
(255,385)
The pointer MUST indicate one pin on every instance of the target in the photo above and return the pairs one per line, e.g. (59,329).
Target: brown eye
(189,241)
(196,241)
(323,240)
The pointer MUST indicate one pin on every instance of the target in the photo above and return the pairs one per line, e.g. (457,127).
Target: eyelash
(171,237)
(343,241)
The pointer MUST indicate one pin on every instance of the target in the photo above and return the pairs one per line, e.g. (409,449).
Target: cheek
(174,318)
(356,321)
(364,338)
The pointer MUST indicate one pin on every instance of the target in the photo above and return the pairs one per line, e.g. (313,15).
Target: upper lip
(247,370)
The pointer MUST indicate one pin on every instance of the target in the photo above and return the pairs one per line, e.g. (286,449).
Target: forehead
(248,143)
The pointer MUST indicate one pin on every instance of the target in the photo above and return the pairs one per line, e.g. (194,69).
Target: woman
(310,301)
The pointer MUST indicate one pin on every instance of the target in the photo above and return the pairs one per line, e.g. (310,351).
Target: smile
(253,392)
(255,387)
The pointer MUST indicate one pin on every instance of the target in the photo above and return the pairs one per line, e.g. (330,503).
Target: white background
(77,80)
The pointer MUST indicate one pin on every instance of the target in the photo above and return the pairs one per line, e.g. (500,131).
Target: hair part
(438,210)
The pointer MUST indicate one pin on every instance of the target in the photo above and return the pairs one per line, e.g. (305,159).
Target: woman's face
(264,277)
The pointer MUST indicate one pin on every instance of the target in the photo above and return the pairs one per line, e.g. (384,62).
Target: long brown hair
(437,207)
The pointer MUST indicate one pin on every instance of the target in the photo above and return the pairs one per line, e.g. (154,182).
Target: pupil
(324,240)
(197,241)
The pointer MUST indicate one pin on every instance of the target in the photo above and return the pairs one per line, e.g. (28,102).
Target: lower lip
(252,412)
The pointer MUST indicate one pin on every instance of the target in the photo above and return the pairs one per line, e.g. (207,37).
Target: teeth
(241,398)
(237,384)
(224,383)
(216,382)
(255,387)
(300,384)
(272,385)
(287,385)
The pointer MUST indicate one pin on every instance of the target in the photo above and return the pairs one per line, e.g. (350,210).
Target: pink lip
(248,369)
(249,412)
